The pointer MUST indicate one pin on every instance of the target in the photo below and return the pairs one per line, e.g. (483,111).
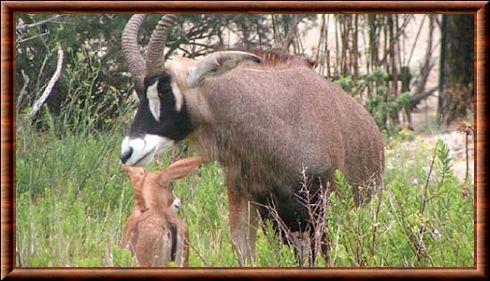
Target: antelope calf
(154,232)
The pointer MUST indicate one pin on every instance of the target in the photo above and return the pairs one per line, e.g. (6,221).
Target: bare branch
(24,27)
(199,255)
(291,31)
(39,103)
(22,92)
(420,82)
(417,98)
(33,37)
(415,41)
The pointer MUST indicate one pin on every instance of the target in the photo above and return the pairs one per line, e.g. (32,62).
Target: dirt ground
(422,121)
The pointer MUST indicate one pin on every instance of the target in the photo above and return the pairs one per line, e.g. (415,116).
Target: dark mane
(275,57)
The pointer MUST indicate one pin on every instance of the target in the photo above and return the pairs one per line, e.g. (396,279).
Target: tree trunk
(456,68)
(394,70)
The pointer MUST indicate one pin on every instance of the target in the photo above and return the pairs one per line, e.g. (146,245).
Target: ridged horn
(131,50)
(217,63)
(154,53)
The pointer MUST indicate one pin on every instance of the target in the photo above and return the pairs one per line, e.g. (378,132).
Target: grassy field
(73,200)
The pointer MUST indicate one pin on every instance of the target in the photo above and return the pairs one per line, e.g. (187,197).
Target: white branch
(23,91)
(50,86)
(31,25)
(33,37)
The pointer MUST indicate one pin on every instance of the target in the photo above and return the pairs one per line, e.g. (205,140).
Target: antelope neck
(154,197)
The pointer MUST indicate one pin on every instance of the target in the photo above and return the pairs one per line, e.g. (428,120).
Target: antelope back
(275,122)
(154,232)
(158,238)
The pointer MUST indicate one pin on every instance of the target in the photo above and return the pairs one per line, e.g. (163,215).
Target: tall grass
(72,201)
(420,219)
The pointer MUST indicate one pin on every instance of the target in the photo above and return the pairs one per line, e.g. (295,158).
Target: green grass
(73,200)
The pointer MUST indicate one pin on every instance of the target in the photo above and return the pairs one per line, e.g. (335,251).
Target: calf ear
(218,63)
(136,174)
(180,169)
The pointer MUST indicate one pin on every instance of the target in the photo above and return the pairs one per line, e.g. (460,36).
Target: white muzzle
(141,151)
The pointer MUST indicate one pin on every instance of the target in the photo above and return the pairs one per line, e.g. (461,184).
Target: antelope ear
(136,174)
(180,169)
(218,63)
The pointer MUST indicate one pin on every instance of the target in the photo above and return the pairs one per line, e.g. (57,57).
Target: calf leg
(243,223)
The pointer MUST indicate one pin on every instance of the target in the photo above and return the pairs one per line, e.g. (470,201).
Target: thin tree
(456,68)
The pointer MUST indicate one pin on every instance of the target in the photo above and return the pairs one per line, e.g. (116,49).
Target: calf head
(154,233)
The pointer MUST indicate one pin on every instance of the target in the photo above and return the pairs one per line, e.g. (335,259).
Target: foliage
(94,69)
(377,104)
(92,42)
(443,160)
(72,203)
(72,200)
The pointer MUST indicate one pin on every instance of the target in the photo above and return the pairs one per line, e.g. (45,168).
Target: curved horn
(131,50)
(157,44)
(217,63)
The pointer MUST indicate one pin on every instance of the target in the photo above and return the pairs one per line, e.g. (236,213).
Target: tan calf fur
(154,232)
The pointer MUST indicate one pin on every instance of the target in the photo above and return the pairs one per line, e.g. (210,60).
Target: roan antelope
(263,118)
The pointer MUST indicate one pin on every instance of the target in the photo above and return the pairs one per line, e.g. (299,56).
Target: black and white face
(161,120)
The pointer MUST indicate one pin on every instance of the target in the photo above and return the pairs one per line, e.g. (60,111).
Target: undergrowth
(72,201)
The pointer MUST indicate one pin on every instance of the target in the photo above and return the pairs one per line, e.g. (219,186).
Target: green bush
(72,203)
